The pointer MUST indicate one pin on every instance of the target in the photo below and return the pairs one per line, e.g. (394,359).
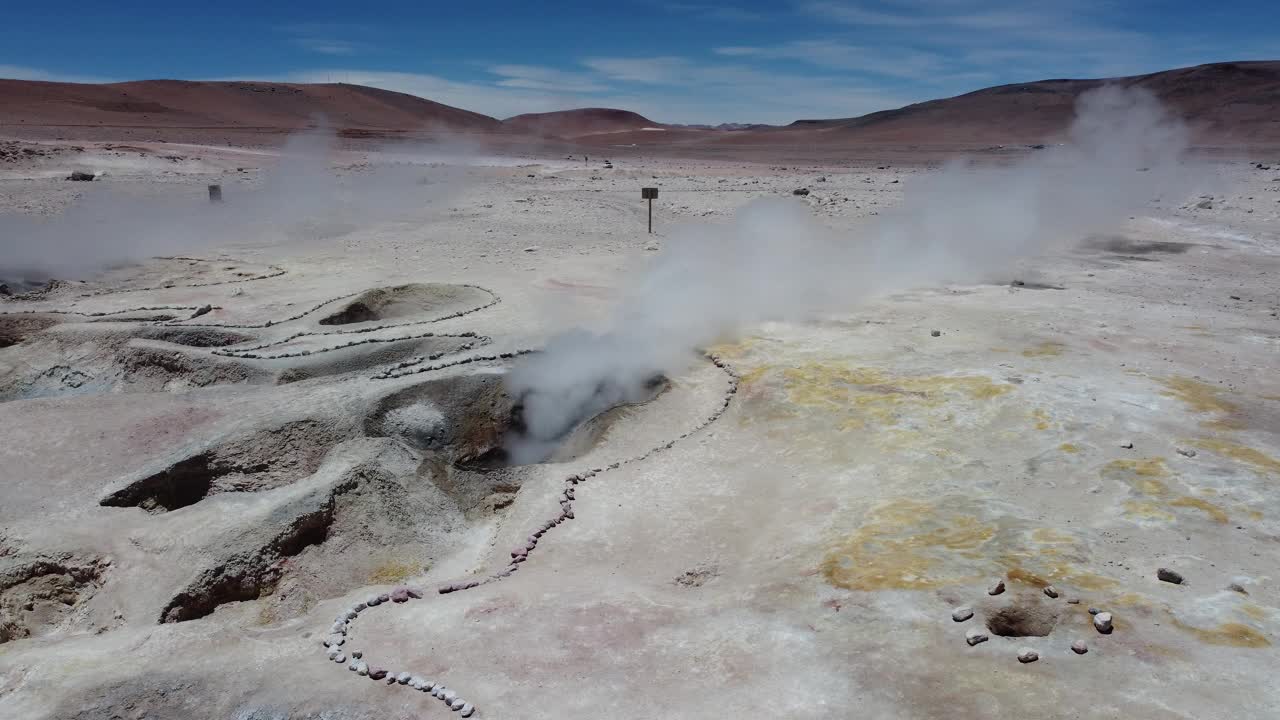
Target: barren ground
(186,504)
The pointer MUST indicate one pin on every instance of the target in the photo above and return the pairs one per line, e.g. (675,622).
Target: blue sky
(693,62)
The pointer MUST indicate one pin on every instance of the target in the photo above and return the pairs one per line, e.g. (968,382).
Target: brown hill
(233,104)
(1227,103)
(579,122)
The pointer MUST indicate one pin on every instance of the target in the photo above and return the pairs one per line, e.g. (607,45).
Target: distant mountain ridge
(1226,103)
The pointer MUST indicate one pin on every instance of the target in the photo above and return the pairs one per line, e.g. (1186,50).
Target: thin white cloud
(19,72)
(327,47)
(652,70)
(534,77)
(886,61)
(327,38)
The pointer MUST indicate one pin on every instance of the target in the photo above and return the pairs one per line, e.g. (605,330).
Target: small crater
(248,578)
(698,576)
(404,301)
(1023,618)
(37,597)
(1125,246)
(17,327)
(194,337)
(262,461)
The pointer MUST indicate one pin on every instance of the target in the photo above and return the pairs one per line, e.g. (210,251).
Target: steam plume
(776,262)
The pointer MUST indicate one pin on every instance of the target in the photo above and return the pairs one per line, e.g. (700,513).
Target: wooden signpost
(649,194)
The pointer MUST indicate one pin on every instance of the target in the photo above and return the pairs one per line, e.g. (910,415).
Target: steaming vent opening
(519,443)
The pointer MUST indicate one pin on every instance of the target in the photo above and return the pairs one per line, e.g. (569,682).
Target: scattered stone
(1079,647)
(357,654)
(467,710)
(202,310)
(1027,655)
(975,636)
(961,614)
(1187,452)
(798,191)
(404,678)
(1205,204)
(1169,576)
(1127,444)
(1102,621)
(1051,591)
(1237,587)
(1073,601)
(935,333)
(399,596)
(997,588)
(362,667)
(340,658)
(79,176)
(457,704)
(531,248)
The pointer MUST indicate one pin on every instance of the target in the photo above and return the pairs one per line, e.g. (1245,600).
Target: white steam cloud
(776,262)
(301,196)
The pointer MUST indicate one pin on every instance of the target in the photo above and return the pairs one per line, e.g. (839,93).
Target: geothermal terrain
(263,457)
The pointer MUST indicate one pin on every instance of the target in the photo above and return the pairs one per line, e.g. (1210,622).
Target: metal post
(649,194)
(215,193)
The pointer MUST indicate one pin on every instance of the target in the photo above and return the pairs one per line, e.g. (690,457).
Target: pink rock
(414,593)
(445,589)
(399,595)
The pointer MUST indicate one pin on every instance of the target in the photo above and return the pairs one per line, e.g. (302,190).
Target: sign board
(648,193)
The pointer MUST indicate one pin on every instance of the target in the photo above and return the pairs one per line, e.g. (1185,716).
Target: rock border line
(249,354)
(494,300)
(355,661)
(274,271)
(105,313)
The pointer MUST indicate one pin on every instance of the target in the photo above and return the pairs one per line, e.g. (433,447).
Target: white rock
(1102,621)
(467,710)
(975,636)
(362,667)
(416,682)
(1027,655)
(372,600)
(961,614)
(449,696)
(457,704)
(1079,647)
(340,658)
(1051,591)
(352,614)
(403,678)
(997,588)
